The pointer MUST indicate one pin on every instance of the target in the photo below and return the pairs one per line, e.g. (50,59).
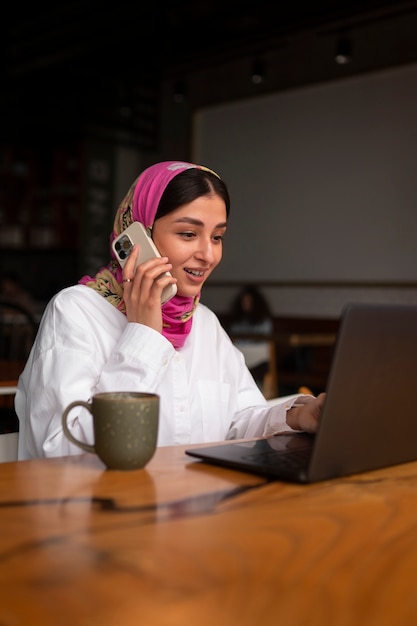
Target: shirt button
(164,360)
(181,407)
(177,358)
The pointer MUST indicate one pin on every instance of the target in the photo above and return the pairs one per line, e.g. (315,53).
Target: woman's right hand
(142,293)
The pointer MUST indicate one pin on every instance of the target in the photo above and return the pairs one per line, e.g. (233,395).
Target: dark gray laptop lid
(370,415)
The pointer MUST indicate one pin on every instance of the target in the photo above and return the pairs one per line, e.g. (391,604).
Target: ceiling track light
(179,91)
(343,54)
(258,71)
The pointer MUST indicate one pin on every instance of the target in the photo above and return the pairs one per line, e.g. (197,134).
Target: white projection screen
(323,180)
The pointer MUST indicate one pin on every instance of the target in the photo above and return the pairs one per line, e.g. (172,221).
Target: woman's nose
(205,250)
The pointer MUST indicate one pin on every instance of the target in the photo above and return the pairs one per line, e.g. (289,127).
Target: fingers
(145,275)
(129,267)
(305,415)
(309,420)
(143,285)
(153,276)
(304,400)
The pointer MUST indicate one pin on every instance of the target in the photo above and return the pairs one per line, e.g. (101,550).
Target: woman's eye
(187,235)
(218,237)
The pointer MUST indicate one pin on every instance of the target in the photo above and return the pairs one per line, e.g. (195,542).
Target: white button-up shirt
(86,346)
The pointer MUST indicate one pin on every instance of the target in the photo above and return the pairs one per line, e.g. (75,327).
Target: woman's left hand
(305,414)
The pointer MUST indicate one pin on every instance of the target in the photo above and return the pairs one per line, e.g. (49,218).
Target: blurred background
(91,93)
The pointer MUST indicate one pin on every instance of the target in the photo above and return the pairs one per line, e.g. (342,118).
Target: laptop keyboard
(294,459)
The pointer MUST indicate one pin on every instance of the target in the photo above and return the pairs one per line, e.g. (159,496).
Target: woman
(251,316)
(110,332)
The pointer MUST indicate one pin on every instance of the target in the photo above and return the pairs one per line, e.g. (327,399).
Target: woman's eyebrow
(193,220)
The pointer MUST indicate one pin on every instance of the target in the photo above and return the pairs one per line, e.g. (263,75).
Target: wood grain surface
(181,542)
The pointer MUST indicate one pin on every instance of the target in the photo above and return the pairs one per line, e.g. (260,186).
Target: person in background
(111,333)
(251,315)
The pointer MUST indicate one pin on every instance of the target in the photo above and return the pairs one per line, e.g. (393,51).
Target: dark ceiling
(68,58)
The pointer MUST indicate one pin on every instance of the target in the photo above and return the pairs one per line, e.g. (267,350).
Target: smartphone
(136,234)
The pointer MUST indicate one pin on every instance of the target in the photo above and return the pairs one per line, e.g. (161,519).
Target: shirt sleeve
(80,352)
(262,421)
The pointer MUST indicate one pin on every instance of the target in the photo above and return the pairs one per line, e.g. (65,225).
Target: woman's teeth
(194,272)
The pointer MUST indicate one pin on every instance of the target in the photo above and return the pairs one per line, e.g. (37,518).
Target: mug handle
(85,446)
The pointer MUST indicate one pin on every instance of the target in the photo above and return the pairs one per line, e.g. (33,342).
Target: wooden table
(183,543)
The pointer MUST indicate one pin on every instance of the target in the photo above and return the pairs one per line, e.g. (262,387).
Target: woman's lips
(197,276)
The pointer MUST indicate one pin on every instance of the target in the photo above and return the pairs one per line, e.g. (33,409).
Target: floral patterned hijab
(141,204)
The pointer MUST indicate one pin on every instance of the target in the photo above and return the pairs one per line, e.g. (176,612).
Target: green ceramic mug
(125,428)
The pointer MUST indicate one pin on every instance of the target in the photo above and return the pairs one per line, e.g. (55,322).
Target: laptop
(369,418)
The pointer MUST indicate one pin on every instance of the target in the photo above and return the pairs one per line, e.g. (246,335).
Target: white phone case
(136,234)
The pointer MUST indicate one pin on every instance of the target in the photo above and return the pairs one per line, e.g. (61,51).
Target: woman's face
(192,239)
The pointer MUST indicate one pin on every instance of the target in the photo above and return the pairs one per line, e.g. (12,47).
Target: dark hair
(260,307)
(188,186)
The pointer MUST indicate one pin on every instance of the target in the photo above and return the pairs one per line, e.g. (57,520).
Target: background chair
(9,424)
(18,329)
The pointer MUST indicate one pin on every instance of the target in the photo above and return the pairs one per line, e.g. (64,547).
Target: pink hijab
(141,204)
